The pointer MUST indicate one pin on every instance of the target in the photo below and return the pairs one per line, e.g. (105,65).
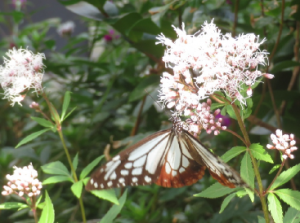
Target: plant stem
(255,166)
(59,130)
(279,171)
(73,172)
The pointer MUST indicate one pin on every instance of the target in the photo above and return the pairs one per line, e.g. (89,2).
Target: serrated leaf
(215,190)
(275,208)
(109,195)
(57,179)
(247,172)
(57,168)
(226,202)
(43,122)
(114,210)
(233,152)
(292,216)
(274,168)
(31,137)
(12,205)
(285,176)
(47,215)
(77,188)
(250,193)
(66,103)
(290,197)
(89,167)
(260,153)
(75,162)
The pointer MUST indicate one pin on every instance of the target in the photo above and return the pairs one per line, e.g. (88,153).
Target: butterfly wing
(159,158)
(219,170)
(138,165)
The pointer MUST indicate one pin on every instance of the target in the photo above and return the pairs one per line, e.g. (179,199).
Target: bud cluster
(284,143)
(23,182)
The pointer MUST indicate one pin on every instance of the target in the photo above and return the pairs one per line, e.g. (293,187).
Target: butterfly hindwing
(219,170)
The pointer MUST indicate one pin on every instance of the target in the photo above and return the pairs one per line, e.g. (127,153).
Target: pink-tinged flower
(23,182)
(110,36)
(208,62)
(66,29)
(284,143)
(21,72)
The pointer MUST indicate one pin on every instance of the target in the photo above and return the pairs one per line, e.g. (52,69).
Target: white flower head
(22,71)
(66,29)
(206,62)
(23,181)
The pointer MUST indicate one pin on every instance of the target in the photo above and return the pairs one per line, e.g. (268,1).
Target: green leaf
(284,65)
(31,137)
(216,190)
(261,219)
(230,111)
(57,179)
(109,195)
(70,112)
(89,167)
(147,85)
(250,193)
(285,176)
(66,103)
(292,216)
(54,113)
(226,201)
(77,188)
(233,152)
(247,172)
(260,153)
(275,208)
(57,168)
(12,205)
(290,197)
(75,162)
(47,215)
(114,210)
(43,122)
(274,168)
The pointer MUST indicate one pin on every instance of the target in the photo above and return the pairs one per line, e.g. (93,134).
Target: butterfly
(168,158)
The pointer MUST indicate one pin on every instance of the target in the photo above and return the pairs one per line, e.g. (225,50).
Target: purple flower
(226,121)
(111,36)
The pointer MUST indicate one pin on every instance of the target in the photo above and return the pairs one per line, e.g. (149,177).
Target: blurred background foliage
(113,71)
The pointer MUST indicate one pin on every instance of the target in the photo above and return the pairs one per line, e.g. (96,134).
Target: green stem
(255,166)
(73,173)
(59,130)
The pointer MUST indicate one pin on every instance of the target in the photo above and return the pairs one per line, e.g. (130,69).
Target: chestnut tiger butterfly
(168,158)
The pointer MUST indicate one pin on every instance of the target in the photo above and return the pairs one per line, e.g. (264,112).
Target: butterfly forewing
(137,165)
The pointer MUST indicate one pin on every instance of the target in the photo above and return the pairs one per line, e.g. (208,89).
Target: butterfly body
(169,158)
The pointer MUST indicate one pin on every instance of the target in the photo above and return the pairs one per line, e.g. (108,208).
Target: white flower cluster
(284,143)
(207,62)
(66,29)
(22,71)
(23,181)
